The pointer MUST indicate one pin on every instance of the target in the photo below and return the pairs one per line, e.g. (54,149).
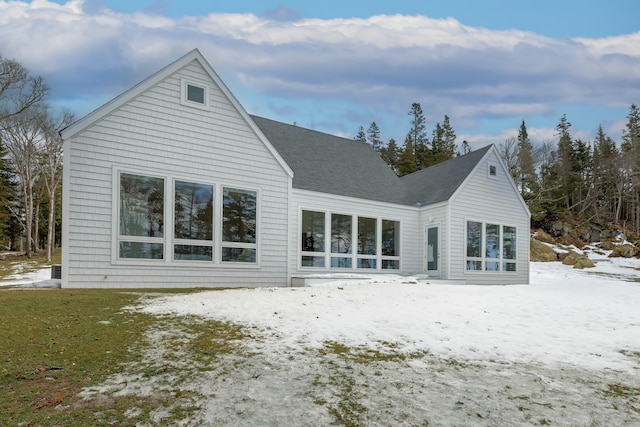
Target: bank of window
(339,241)
(490,247)
(142,230)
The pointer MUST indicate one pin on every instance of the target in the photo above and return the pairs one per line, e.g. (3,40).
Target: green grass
(57,342)
(22,265)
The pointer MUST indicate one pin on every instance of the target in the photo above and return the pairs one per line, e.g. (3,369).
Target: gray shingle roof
(341,166)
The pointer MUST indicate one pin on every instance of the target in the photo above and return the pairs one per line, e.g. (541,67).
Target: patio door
(432,242)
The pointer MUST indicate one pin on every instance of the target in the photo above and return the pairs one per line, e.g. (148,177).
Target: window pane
(312,261)
(366,263)
(312,231)
(195,94)
(367,236)
(193,253)
(193,211)
(474,238)
(238,255)
(493,241)
(341,234)
(341,262)
(509,266)
(390,237)
(390,264)
(474,265)
(509,243)
(141,206)
(239,216)
(492,266)
(141,250)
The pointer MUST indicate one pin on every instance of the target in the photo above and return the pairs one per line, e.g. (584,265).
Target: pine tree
(418,136)
(391,154)
(407,162)
(526,176)
(443,143)
(373,136)
(361,136)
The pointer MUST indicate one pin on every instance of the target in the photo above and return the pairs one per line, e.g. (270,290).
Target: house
(174,184)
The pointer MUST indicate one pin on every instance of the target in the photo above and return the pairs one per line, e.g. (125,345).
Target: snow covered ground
(564,350)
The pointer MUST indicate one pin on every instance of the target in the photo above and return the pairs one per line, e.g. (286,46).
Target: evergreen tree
(391,154)
(8,227)
(373,137)
(407,162)
(443,143)
(361,136)
(418,136)
(526,175)
(608,181)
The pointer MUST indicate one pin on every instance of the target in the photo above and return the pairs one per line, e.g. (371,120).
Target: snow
(548,352)
(40,278)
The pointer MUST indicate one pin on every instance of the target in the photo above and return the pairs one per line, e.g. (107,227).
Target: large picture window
(193,221)
(340,241)
(177,222)
(141,219)
(490,247)
(239,208)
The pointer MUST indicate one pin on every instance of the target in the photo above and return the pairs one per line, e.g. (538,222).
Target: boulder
(541,252)
(584,262)
(625,251)
(577,260)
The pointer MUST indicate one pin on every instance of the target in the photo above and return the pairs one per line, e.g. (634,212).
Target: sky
(335,66)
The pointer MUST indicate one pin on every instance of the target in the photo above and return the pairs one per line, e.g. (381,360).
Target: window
(490,247)
(390,245)
(147,207)
(493,170)
(193,221)
(239,225)
(194,94)
(141,219)
(341,241)
(312,239)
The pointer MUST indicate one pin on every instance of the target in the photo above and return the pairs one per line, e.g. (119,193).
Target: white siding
(411,242)
(155,133)
(492,199)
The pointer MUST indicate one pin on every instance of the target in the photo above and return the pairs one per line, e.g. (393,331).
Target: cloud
(380,64)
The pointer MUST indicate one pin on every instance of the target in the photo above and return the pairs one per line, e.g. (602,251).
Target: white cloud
(382,63)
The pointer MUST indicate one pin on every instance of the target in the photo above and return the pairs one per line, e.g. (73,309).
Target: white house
(173,184)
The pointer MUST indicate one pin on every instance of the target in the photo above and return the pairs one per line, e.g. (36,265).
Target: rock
(625,251)
(584,262)
(541,252)
(577,260)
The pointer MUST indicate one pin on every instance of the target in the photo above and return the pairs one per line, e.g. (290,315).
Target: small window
(493,170)
(195,94)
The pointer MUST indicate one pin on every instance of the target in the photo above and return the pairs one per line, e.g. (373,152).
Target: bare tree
(508,150)
(51,165)
(21,135)
(19,91)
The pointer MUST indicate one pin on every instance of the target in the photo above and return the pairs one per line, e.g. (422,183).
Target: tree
(51,165)
(373,136)
(21,135)
(464,149)
(391,154)
(418,136)
(361,136)
(526,175)
(443,143)
(509,153)
(608,179)
(19,91)
(7,201)
(407,162)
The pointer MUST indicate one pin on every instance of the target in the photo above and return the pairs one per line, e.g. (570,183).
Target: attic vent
(492,170)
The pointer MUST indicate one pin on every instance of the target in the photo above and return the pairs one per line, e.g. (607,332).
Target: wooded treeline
(30,162)
(593,182)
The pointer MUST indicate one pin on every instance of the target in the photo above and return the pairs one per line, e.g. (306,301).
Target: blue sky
(334,66)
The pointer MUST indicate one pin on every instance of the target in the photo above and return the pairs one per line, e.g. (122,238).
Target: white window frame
(184,84)
(168,239)
(483,249)
(327,255)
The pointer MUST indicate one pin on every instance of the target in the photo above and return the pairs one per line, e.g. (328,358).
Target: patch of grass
(56,343)
(20,264)
(365,355)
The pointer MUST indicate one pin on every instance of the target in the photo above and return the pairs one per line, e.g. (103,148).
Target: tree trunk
(52,226)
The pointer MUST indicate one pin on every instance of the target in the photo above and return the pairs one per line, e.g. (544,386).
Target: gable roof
(156,78)
(341,166)
(437,183)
